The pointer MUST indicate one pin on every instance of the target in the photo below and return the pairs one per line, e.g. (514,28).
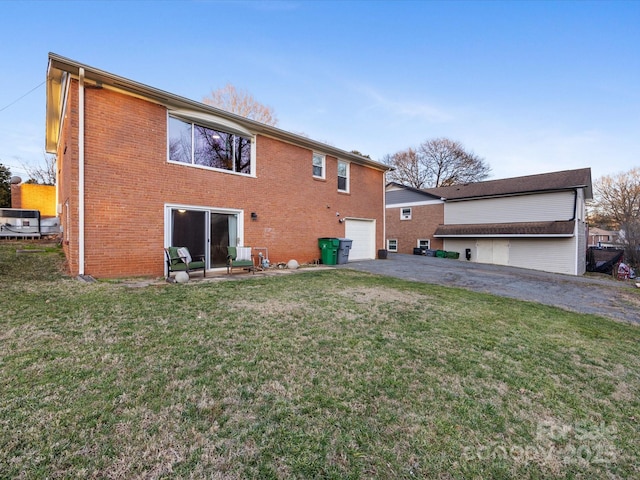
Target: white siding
(547,254)
(460,245)
(524,208)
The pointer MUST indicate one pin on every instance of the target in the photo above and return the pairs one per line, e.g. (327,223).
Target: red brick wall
(424,221)
(128,182)
(16,196)
(67,165)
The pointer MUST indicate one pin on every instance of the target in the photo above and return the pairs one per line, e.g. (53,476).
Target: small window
(318,165)
(392,245)
(343,176)
(423,244)
(405,214)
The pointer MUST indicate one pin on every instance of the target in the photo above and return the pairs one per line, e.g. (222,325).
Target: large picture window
(195,144)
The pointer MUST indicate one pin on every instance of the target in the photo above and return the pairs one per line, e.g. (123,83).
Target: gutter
(575,205)
(514,235)
(172,102)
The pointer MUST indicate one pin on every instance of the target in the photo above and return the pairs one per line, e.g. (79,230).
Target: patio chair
(240,257)
(180,260)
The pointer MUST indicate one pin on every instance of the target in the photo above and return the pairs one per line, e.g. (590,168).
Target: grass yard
(318,374)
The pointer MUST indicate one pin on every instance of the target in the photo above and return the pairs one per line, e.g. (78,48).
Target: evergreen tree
(5,187)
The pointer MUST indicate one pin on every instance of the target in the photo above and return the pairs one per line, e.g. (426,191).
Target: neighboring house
(33,196)
(602,238)
(33,212)
(140,169)
(535,221)
(412,218)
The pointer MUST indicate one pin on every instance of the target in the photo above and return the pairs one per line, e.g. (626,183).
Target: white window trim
(348,177)
(423,240)
(404,216)
(222,127)
(389,240)
(324,165)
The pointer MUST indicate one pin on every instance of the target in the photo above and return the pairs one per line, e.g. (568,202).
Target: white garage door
(494,251)
(363,234)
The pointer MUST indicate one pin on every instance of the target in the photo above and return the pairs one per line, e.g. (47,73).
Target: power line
(20,98)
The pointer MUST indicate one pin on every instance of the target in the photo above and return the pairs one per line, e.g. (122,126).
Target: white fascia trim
(415,204)
(505,236)
(168,207)
(361,219)
(211,120)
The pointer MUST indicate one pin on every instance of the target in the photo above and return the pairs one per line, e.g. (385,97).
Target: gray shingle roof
(564,180)
(563,228)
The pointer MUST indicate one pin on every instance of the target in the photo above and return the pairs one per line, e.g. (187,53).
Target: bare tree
(448,163)
(617,202)
(436,163)
(407,169)
(242,103)
(43,175)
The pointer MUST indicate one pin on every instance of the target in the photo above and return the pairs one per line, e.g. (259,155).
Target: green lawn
(318,374)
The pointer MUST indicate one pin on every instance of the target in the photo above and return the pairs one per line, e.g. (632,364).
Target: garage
(363,234)
(492,250)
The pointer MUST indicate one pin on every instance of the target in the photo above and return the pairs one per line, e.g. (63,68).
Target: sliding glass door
(223,232)
(205,232)
(188,230)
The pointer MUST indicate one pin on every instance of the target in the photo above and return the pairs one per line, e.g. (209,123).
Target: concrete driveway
(601,296)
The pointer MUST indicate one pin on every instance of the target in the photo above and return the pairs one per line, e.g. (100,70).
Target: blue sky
(531,87)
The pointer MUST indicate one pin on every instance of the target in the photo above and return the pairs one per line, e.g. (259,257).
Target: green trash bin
(441,253)
(329,250)
(455,255)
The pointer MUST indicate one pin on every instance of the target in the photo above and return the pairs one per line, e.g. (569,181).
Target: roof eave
(498,235)
(518,194)
(53,118)
(413,189)
(58,63)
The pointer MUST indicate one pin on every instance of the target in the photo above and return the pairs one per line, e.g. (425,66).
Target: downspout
(384,214)
(575,232)
(81,171)
(575,205)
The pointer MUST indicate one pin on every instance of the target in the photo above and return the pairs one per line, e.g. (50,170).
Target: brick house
(599,237)
(535,221)
(140,169)
(413,216)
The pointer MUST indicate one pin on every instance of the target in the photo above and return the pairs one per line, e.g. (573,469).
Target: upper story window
(195,144)
(318,165)
(343,176)
(405,214)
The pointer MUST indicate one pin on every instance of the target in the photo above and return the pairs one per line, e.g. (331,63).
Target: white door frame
(168,207)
